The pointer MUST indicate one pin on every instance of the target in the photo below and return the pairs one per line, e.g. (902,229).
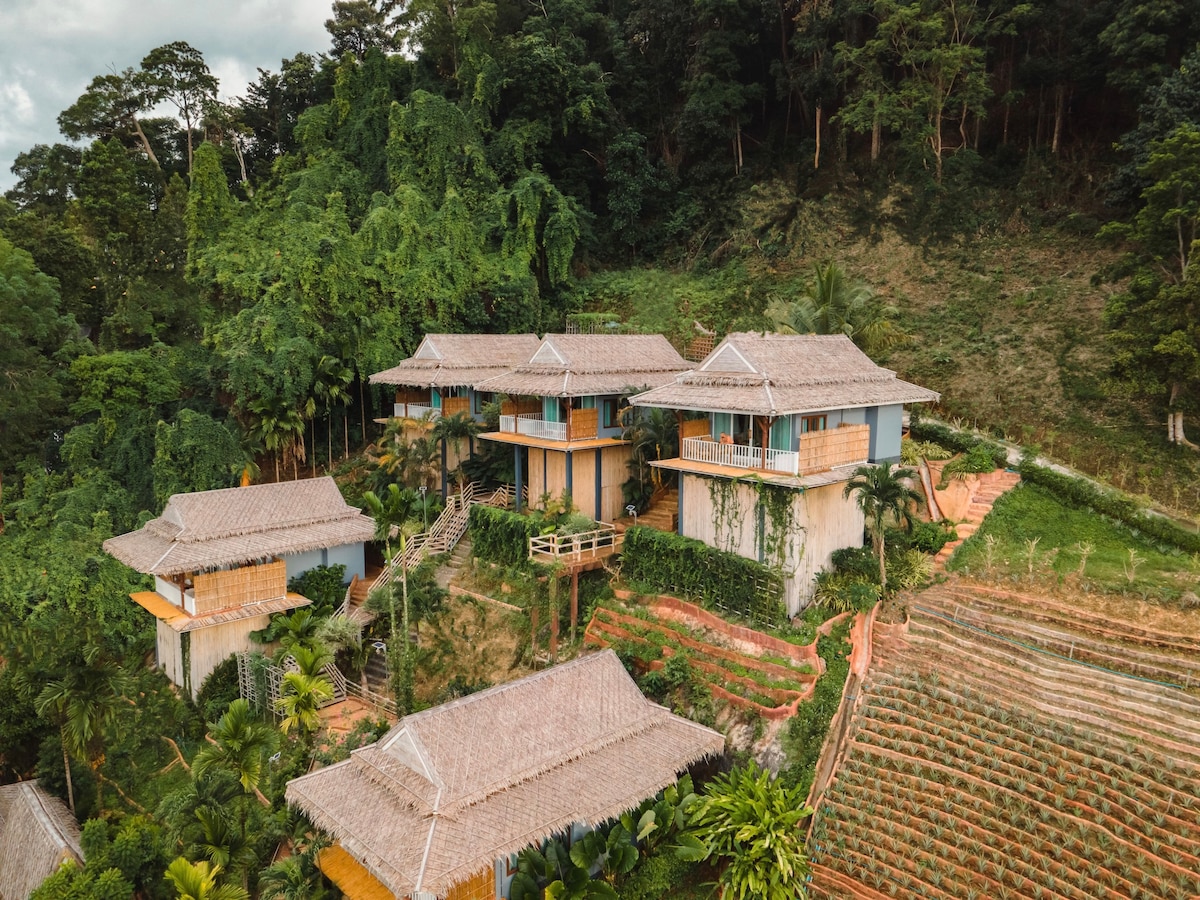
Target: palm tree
(238,743)
(280,429)
(297,629)
(392,516)
(452,431)
(198,881)
(222,845)
(83,701)
(882,492)
(300,702)
(311,659)
(330,389)
(834,305)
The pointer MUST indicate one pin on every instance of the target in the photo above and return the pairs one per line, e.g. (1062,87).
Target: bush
(858,561)
(843,592)
(978,460)
(325,586)
(500,535)
(928,537)
(958,441)
(656,876)
(670,563)
(908,569)
(219,689)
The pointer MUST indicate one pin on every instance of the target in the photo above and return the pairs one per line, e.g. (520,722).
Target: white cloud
(51,49)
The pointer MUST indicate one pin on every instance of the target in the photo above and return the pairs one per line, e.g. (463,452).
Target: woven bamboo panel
(420,397)
(481,887)
(452,406)
(845,445)
(237,587)
(520,407)
(691,428)
(585,423)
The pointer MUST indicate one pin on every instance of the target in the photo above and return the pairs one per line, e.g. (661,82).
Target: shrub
(841,592)
(806,730)
(656,876)
(958,441)
(219,689)
(670,563)
(325,586)
(908,569)
(858,561)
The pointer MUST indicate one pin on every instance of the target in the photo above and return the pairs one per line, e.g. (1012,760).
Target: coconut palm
(311,659)
(882,492)
(198,881)
(832,304)
(82,701)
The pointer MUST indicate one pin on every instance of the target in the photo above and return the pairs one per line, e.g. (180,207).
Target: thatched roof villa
(562,417)
(37,834)
(221,561)
(794,411)
(436,807)
(441,375)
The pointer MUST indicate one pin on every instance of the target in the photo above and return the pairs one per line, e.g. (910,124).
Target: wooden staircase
(442,537)
(989,489)
(663,513)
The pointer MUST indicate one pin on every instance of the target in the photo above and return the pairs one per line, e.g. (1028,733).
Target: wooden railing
(416,410)
(600,541)
(739,456)
(442,536)
(533,425)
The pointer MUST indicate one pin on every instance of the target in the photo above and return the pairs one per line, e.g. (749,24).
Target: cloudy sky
(51,49)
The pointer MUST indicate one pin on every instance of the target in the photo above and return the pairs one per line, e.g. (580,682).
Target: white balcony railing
(533,425)
(416,411)
(706,450)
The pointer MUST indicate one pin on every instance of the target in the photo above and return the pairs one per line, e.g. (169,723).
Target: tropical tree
(882,492)
(238,742)
(751,822)
(177,73)
(198,881)
(83,701)
(280,429)
(833,304)
(221,844)
(311,660)
(300,701)
(452,431)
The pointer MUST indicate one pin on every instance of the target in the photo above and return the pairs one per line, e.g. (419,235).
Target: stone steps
(991,487)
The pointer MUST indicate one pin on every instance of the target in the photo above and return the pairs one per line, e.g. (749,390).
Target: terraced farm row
(770,683)
(978,768)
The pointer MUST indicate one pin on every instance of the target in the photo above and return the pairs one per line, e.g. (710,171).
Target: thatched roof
(781,374)
(454,360)
(449,790)
(37,832)
(234,526)
(583,365)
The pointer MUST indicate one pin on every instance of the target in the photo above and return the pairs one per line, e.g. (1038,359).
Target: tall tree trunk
(67,768)
(817,152)
(1060,107)
(137,129)
(876,131)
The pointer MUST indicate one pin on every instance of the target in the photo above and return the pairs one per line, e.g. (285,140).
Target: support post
(520,477)
(570,475)
(599,470)
(679,507)
(444,464)
(554,617)
(574,603)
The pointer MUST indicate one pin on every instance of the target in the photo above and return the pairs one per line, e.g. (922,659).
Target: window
(812,423)
(481,399)
(612,416)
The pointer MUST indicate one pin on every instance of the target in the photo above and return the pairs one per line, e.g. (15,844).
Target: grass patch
(1030,535)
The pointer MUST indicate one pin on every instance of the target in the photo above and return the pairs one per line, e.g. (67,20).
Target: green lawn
(1028,513)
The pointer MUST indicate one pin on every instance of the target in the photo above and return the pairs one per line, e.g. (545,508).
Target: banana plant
(613,854)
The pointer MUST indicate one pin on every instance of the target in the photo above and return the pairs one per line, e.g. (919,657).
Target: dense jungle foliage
(193,300)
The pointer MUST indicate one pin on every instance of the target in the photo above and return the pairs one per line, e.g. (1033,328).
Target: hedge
(1085,494)
(723,581)
(500,535)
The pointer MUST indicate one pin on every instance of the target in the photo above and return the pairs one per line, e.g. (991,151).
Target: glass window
(612,414)
(812,423)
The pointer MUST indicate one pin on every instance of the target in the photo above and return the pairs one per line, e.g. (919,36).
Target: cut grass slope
(1036,537)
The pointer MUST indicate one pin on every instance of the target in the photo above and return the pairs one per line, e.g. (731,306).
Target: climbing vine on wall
(727,513)
(778,531)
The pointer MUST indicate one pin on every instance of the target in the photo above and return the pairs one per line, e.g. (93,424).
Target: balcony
(818,451)
(421,408)
(416,411)
(739,456)
(583,426)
